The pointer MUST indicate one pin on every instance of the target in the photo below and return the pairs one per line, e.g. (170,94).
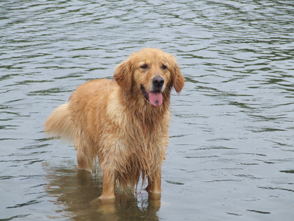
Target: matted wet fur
(124,122)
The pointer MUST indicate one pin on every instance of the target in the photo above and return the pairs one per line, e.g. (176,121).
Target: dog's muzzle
(155,96)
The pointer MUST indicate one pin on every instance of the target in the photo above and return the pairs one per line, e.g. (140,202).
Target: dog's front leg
(154,181)
(108,185)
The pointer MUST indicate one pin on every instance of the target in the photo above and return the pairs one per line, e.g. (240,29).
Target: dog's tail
(59,123)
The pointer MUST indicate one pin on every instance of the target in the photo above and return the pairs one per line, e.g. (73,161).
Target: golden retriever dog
(123,122)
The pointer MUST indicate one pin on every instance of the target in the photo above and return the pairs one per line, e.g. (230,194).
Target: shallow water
(231,154)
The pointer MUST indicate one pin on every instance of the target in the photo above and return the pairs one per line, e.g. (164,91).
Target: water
(231,148)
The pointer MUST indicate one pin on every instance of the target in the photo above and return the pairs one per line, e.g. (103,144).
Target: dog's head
(150,71)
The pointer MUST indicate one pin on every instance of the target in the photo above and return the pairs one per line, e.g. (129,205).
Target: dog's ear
(123,75)
(178,79)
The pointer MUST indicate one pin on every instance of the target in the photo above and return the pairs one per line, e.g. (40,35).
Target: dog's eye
(163,67)
(144,66)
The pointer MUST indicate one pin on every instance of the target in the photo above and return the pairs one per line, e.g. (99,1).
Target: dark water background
(231,152)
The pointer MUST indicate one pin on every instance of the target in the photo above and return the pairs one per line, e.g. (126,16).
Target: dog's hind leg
(85,160)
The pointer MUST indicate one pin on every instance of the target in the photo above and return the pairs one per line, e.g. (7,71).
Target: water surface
(231,154)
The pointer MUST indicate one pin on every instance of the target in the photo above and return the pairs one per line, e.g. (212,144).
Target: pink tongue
(155,98)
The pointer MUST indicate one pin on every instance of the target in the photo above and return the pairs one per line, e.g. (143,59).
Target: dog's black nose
(158,82)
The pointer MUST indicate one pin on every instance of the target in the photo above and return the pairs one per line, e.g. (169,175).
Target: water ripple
(231,139)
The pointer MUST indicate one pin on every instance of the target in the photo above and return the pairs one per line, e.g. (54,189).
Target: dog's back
(64,120)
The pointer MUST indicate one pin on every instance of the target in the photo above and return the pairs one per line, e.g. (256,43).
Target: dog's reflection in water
(79,192)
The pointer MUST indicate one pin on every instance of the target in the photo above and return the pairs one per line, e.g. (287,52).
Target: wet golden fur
(112,120)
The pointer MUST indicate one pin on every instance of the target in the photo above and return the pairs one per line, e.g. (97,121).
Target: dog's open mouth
(154,97)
